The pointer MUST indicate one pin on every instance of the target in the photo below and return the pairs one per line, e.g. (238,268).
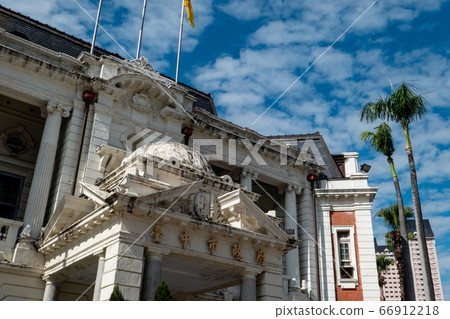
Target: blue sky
(247,52)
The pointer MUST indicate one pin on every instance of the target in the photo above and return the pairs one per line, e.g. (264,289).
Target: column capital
(290,188)
(54,279)
(55,106)
(249,173)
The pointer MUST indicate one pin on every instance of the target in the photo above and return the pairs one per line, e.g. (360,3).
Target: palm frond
(381,141)
(383,262)
(390,215)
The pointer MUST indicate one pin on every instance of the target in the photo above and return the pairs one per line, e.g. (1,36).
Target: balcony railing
(8,235)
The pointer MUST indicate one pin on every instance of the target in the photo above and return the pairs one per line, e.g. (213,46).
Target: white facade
(165,189)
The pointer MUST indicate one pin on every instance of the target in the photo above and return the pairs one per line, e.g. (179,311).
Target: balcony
(8,235)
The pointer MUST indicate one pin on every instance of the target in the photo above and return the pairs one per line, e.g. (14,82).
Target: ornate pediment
(146,93)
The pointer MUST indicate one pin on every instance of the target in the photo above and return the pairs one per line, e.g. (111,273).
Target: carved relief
(261,257)
(157,234)
(142,63)
(202,205)
(53,106)
(185,238)
(16,140)
(212,245)
(141,102)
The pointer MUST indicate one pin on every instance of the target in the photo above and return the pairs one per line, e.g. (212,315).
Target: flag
(190,12)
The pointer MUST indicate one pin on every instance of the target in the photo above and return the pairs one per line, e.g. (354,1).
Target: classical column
(248,287)
(152,275)
(98,278)
(246,178)
(40,186)
(291,225)
(51,291)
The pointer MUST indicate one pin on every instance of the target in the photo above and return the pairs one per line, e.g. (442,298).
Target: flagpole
(96,26)
(138,53)
(179,41)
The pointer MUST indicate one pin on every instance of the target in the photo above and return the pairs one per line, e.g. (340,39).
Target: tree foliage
(402,106)
(381,141)
(162,293)
(383,263)
(391,217)
(116,295)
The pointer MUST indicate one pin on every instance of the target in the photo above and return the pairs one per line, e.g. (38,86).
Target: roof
(58,41)
(379,248)
(45,35)
(326,158)
(411,227)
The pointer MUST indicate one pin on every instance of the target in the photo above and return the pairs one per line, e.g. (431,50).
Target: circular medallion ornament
(16,140)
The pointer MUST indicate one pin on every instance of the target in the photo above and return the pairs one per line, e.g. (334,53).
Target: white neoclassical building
(113,174)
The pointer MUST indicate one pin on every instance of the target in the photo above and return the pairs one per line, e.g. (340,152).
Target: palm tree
(391,217)
(383,263)
(381,141)
(404,106)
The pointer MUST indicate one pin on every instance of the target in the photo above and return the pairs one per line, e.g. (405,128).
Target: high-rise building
(391,289)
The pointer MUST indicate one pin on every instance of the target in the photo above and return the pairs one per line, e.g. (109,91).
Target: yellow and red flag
(190,12)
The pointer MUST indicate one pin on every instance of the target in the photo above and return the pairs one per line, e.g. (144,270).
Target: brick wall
(347,219)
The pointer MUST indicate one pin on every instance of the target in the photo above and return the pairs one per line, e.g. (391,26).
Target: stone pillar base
(26,253)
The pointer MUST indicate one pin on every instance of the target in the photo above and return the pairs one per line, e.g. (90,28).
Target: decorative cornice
(41,66)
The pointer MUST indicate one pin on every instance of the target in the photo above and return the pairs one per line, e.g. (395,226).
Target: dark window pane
(10,191)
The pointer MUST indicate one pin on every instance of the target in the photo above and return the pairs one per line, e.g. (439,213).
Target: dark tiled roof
(379,248)
(58,41)
(204,102)
(411,227)
(45,35)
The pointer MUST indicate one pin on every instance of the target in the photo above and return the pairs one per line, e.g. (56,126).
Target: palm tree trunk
(408,280)
(423,250)
(397,239)
(381,284)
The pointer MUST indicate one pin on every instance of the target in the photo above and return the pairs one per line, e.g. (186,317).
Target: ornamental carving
(212,245)
(53,106)
(142,63)
(185,238)
(16,140)
(202,205)
(236,251)
(141,102)
(157,234)
(261,257)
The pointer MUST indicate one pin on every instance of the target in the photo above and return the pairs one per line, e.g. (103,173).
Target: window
(345,261)
(345,256)
(10,191)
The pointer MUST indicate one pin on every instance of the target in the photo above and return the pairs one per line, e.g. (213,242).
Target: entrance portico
(145,243)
